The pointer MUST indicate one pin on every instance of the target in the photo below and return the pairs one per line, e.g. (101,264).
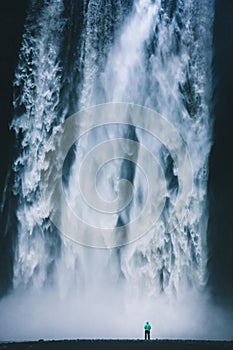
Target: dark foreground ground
(120,344)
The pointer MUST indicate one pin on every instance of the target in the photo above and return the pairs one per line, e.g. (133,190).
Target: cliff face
(220,235)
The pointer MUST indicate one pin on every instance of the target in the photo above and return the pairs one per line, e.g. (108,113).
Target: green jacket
(147,327)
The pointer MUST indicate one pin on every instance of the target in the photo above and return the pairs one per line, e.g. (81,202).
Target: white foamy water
(156,54)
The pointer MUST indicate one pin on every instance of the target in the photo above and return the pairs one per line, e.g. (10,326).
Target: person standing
(147,328)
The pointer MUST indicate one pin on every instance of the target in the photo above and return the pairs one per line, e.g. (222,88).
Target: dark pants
(147,335)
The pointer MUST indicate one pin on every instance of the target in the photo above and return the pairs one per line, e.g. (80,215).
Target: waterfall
(156,54)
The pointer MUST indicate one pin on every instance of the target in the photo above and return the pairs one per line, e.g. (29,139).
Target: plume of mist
(105,313)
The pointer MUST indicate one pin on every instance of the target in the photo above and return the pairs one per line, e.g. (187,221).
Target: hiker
(147,328)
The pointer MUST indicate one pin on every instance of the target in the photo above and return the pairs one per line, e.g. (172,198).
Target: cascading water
(155,54)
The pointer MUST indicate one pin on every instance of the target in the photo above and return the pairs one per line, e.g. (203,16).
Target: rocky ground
(122,344)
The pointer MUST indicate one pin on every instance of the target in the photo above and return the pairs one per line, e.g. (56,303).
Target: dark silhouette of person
(147,328)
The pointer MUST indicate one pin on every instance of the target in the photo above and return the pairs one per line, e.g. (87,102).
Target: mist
(34,315)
